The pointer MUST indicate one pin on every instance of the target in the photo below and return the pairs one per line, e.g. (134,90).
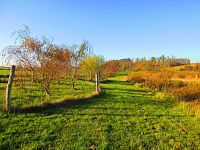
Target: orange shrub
(156,80)
(186,68)
(187,75)
(181,76)
(163,81)
(136,78)
(187,93)
(162,85)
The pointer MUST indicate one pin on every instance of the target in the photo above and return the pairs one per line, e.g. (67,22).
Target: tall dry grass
(170,82)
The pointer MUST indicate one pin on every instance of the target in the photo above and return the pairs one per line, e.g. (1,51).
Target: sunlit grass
(122,117)
(33,94)
(4,71)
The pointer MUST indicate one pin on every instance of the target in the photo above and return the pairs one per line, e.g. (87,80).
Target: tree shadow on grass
(55,107)
(103,102)
(128,91)
(130,115)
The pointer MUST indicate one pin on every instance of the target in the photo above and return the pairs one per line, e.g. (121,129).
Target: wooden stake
(97,82)
(97,86)
(9,87)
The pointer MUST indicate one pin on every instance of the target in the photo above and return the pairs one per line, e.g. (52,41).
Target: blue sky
(116,28)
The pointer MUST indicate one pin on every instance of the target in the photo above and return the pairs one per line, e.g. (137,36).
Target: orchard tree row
(144,64)
(43,62)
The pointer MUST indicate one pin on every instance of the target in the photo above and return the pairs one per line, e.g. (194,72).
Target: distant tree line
(144,64)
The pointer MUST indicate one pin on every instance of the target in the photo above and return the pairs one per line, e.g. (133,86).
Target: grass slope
(123,117)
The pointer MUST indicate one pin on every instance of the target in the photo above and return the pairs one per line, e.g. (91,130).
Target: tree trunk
(47,91)
(97,82)
(73,85)
(85,76)
(32,76)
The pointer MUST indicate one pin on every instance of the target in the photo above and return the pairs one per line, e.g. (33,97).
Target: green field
(4,71)
(33,94)
(122,117)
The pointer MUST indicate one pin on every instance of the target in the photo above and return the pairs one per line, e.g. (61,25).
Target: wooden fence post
(9,87)
(97,82)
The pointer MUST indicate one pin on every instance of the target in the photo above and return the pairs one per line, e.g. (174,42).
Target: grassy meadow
(124,116)
(33,94)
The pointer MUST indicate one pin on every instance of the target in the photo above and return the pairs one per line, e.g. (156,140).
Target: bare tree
(41,56)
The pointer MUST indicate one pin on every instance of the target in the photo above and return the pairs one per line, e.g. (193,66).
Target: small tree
(111,67)
(92,64)
(76,56)
(45,60)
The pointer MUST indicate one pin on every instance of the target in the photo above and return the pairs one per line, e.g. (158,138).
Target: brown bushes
(155,80)
(136,78)
(187,93)
(181,76)
(186,68)
(163,85)
(163,81)
(188,75)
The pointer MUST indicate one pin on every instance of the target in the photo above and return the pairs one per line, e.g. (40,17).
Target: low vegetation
(166,82)
(123,117)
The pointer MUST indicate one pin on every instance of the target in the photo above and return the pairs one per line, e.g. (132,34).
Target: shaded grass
(63,102)
(123,117)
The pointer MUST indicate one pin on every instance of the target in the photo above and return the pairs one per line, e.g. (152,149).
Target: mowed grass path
(123,117)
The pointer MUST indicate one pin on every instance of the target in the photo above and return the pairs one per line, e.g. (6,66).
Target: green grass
(4,71)
(123,73)
(33,93)
(123,117)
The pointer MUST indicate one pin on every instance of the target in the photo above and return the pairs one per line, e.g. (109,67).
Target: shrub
(154,84)
(178,84)
(187,93)
(162,81)
(136,78)
(159,80)
(187,75)
(181,76)
(156,80)
(186,68)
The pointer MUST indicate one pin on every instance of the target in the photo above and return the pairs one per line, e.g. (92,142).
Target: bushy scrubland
(169,82)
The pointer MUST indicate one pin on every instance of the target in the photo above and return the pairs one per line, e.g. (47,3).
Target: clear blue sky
(116,28)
